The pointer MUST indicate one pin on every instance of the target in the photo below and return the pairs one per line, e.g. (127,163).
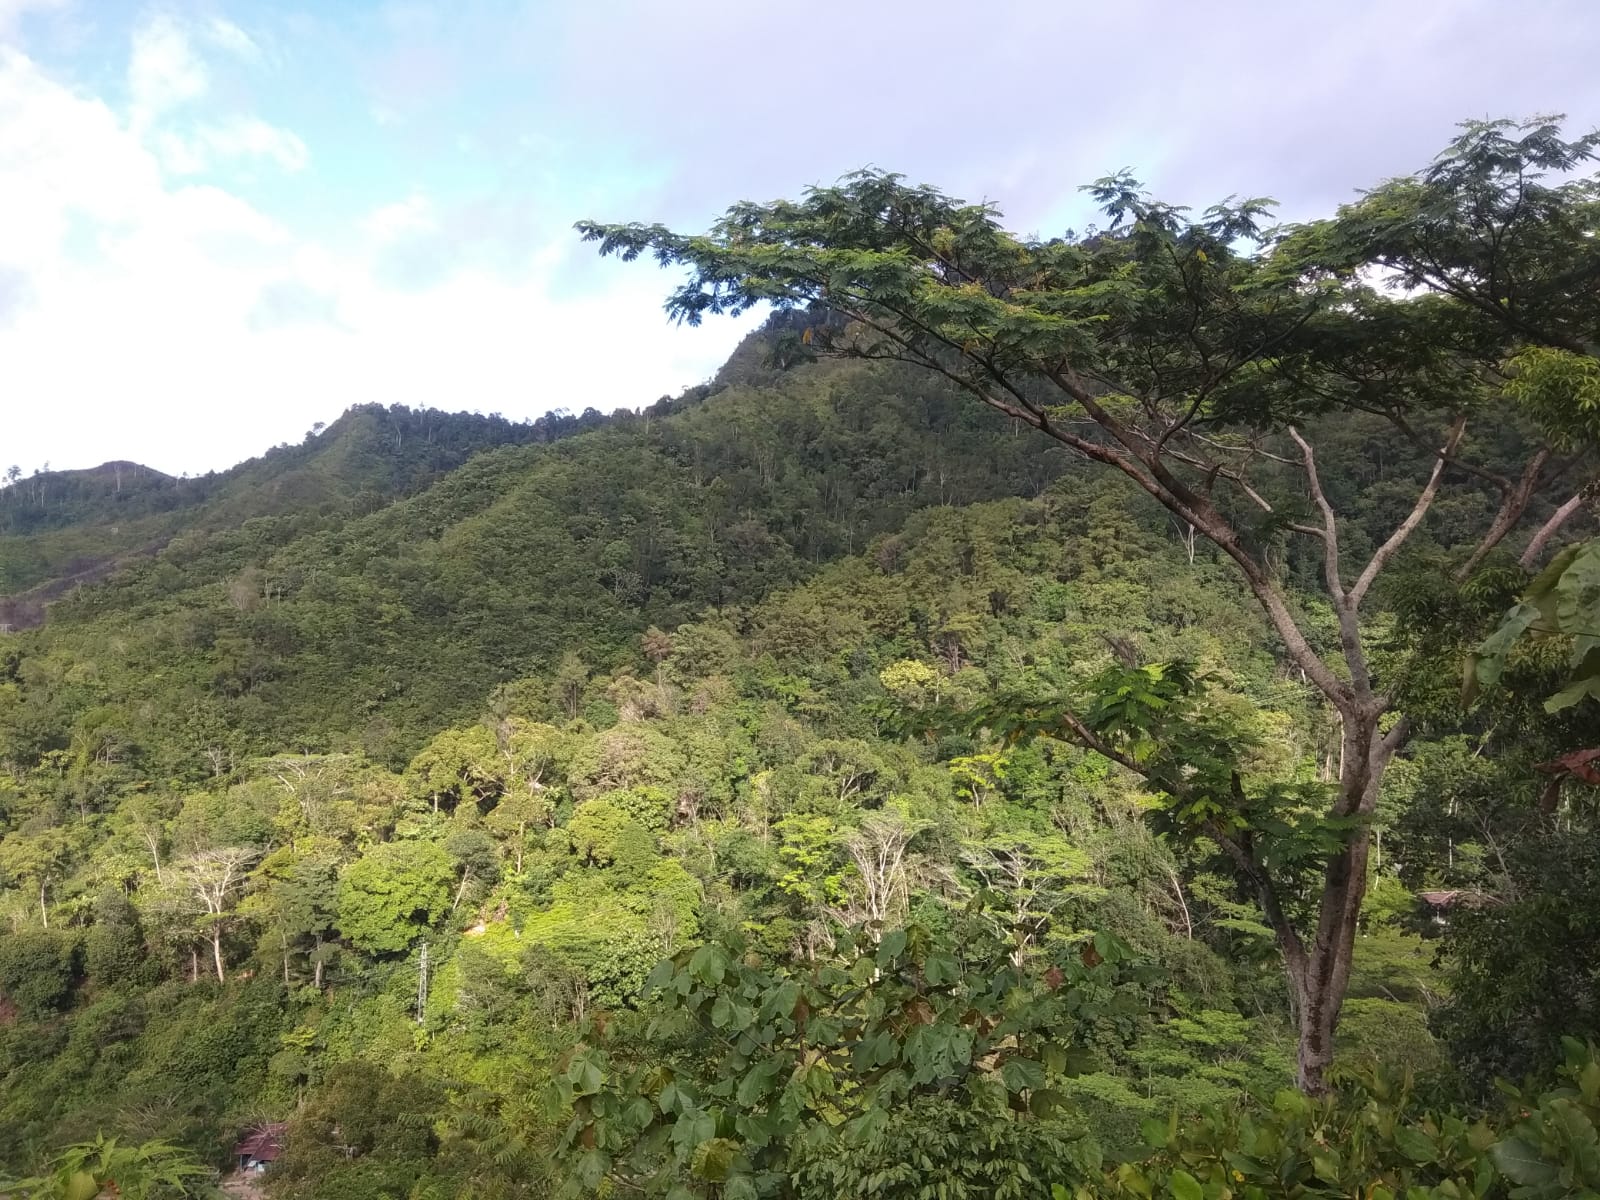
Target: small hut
(260,1147)
(1437,906)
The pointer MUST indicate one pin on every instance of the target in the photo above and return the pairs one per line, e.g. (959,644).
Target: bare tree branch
(1513,504)
(1424,501)
(1545,532)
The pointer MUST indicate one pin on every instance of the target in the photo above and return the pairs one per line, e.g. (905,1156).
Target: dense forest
(1107,716)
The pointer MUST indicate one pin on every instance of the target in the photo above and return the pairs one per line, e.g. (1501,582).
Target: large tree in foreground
(1185,353)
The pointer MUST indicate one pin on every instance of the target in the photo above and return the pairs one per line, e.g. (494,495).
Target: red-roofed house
(259,1147)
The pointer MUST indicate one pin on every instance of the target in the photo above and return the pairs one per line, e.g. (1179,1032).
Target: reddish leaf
(1582,765)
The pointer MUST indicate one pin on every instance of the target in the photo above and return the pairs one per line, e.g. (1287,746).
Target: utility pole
(422,982)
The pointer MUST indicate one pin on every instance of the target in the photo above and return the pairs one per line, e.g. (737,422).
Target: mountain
(355,793)
(327,619)
(61,529)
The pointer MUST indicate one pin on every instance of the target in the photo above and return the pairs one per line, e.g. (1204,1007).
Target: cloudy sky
(224,220)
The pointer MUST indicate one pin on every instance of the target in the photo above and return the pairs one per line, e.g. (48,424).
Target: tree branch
(1512,505)
(1343,607)
(1330,524)
(1548,530)
(1424,501)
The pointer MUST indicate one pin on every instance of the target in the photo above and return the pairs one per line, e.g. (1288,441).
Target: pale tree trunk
(155,856)
(44,913)
(1324,973)
(216,951)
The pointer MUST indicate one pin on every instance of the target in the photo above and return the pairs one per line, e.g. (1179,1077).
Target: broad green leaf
(892,946)
(1185,1186)
(1021,1074)
(1415,1144)
(1522,1163)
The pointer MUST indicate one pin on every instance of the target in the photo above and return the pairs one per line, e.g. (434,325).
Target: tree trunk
(1325,975)
(44,913)
(216,951)
(1320,973)
(316,970)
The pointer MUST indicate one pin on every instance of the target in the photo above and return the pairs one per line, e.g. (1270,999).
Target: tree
(212,877)
(38,860)
(36,970)
(393,894)
(1524,967)
(305,902)
(571,680)
(657,647)
(1183,353)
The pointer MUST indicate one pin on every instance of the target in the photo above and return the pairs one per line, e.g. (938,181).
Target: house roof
(263,1143)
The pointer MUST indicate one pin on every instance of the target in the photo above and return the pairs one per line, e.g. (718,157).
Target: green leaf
(1021,1074)
(1415,1145)
(941,969)
(692,1127)
(713,1159)
(1579,689)
(709,965)
(1520,1162)
(892,946)
(584,1076)
(1185,1186)
(1154,1130)
(756,1083)
(1589,1081)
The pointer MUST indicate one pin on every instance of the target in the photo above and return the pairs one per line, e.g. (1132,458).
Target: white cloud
(412,215)
(152,316)
(163,71)
(237,138)
(228,36)
(166,75)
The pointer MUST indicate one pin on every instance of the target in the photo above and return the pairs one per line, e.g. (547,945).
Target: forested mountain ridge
(368,631)
(57,525)
(992,754)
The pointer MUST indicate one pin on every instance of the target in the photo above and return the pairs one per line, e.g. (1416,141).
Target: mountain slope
(62,528)
(371,631)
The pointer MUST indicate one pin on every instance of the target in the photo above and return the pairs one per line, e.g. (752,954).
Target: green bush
(37,968)
(1375,1139)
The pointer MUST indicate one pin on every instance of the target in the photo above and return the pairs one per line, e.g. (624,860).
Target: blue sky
(224,220)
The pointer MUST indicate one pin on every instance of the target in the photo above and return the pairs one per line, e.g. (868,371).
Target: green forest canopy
(976,783)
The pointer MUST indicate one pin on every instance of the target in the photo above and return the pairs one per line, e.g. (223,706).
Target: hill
(324,627)
(59,529)
(349,808)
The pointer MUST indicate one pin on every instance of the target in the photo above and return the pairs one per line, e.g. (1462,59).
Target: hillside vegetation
(905,766)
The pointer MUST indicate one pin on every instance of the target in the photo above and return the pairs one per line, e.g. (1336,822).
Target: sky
(223,221)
